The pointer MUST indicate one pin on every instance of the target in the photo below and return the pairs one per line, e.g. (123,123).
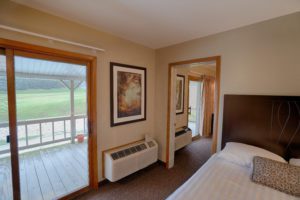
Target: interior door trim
(217,59)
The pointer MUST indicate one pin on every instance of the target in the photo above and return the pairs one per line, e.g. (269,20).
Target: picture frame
(180,85)
(128,93)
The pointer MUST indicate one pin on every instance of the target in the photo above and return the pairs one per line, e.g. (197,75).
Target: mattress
(219,179)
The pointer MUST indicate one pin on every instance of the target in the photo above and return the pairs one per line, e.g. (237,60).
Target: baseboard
(103,182)
(161,162)
(197,137)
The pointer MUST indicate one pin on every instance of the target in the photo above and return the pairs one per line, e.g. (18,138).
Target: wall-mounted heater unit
(183,137)
(129,159)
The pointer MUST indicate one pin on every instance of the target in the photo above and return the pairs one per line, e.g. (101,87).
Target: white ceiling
(160,23)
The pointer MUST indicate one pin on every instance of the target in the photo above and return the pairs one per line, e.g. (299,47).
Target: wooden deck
(47,173)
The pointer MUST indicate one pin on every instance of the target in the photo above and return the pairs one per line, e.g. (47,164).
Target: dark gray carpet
(156,182)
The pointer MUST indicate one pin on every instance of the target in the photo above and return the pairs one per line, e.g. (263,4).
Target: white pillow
(295,161)
(242,154)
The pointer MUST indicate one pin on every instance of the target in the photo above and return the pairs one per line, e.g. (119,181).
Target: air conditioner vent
(133,149)
(126,160)
(121,154)
(143,146)
(127,152)
(114,156)
(138,148)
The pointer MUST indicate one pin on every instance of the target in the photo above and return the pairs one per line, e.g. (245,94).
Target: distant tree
(29,83)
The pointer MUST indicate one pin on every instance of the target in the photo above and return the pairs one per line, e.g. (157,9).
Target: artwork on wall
(180,80)
(128,93)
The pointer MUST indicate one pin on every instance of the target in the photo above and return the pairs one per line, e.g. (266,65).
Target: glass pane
(5,163)
(80,108)
(194,106)
(80,99)
(51,109)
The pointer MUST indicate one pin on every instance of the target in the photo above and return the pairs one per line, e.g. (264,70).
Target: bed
(268,122)
(219,179)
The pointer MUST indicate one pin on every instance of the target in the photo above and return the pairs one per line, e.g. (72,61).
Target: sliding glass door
(47,107)
(51,100)
(6,191)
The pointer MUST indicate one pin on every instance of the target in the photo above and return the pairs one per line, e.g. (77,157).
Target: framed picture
(128,93)
(180,81)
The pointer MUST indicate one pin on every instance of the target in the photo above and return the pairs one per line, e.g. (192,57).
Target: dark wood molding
(194,78)
(30,48)
(12,118)
(75,194)
(217,104)
(92,122)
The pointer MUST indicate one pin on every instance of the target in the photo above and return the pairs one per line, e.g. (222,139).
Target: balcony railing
(39,132)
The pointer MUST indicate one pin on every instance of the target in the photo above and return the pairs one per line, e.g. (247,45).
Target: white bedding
(219,179)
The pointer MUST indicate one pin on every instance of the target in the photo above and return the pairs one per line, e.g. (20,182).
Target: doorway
(194,107)
(173,118)
(47,144)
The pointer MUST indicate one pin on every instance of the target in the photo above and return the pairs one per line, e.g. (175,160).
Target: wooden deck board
(33,186)
(62,173)
(56,182)
(47,173)
(45,184)
(81,151)
(5,179)
(24,189)
(82,162)
(69,169)
(78,169)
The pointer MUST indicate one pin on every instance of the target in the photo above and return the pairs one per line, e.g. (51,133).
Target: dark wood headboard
(269,122)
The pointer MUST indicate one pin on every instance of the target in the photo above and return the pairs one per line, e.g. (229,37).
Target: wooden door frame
(191,78)
(217,59)
(62,56)
(11,100)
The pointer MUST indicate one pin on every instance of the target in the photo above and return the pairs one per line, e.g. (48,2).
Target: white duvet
(219,179)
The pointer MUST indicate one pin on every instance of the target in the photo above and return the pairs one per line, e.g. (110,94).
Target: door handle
(189,110)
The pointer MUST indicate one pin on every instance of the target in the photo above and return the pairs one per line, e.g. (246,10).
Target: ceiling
(160,23)
(44,69)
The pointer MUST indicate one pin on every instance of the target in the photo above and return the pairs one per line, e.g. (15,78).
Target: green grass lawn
(35,104)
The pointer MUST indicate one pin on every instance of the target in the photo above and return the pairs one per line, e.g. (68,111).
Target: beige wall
(258,59)
(116,49)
